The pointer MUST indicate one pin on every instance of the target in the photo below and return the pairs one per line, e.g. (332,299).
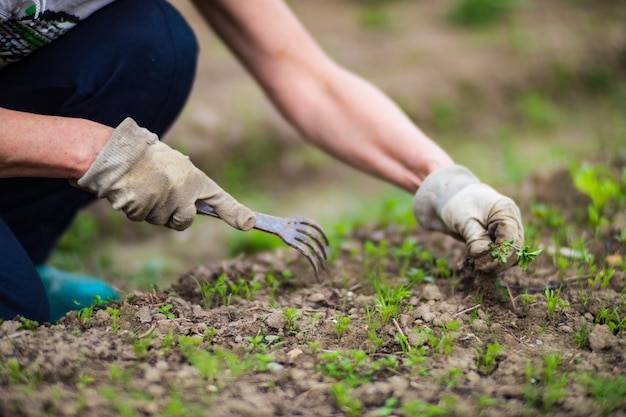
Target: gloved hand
(150,181)
(452,200)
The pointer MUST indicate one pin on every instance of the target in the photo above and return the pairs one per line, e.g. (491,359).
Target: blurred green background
(507,87)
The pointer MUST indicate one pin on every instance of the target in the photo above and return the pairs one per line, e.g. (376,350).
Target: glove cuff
(436,190)
(125,147)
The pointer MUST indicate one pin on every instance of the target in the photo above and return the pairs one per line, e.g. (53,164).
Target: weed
(416,357)
(353,367)
(448,335)
(610,393)
(141,346)
(166,310)
(527,300)
(612,318)
(404,254)
(256,342)
(291,314)
(314,346)
(581,335)
(264,361)
(345,401)
(342,323)
(500,253)
(487,359)
(600,186)
(389,298)
(13,371)
(545,388)
(114,312)
(450,377)
(26,324)
(168,342)
(209,334)
(424,409)
(388,408)
(554,301)
(85,380)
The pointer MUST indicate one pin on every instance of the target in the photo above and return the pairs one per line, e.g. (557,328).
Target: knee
(23,295)
(21,291)
(157,38)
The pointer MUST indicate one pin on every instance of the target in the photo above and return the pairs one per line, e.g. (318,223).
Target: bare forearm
(33,145)
(359,125)
(332,108)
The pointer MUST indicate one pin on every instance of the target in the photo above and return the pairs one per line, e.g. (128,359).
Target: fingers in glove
(182,218)
(228,208)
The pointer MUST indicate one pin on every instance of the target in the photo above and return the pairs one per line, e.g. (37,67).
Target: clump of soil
(391,331)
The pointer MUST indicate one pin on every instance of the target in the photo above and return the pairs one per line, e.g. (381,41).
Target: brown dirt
(169,352)
(189,360)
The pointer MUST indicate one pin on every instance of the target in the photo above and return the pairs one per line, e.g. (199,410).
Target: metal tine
(316,262)
(300,233)
(311,223)
(320,239)
(319,253)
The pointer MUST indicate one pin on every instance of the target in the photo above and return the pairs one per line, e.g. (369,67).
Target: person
(88,87)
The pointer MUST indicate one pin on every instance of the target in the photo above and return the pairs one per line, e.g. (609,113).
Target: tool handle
(204,208)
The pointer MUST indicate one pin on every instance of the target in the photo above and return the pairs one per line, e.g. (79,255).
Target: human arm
(331,107)
(354,121)
(33,145)
(128,165)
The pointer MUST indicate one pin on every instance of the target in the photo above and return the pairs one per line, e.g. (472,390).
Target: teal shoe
(67,291)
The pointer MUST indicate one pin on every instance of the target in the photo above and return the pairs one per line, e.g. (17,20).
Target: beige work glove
(148,180)
(452,200)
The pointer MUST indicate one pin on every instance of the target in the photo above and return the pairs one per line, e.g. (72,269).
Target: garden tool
(302,234)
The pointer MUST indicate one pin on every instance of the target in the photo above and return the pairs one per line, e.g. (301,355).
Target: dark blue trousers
(133,58)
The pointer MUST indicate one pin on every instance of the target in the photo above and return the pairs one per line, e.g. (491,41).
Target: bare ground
(239,351)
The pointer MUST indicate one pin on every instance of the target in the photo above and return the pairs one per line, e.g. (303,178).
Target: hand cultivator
(302,234)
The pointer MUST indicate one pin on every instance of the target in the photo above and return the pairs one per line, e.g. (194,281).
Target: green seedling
(404,255)
(450,377)
(527,300)
(345,401)
(141,346)
(546,387)
(600,186)
(114,312)
(26,324)
(424,409)
(610,393)
(342,323)
(264,361)
(354,367)
(389,408)
(390,298)
(500,253)
(555,302)
(256,342)
(13,371)
(612,318)
(581,335)
(487,359)
(166,310)
(291,314)
(168,342)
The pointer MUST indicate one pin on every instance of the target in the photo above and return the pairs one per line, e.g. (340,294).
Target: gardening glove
(150,181)
(452,200)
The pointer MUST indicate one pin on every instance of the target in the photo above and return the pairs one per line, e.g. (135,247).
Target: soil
(173,352)
(257,335)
